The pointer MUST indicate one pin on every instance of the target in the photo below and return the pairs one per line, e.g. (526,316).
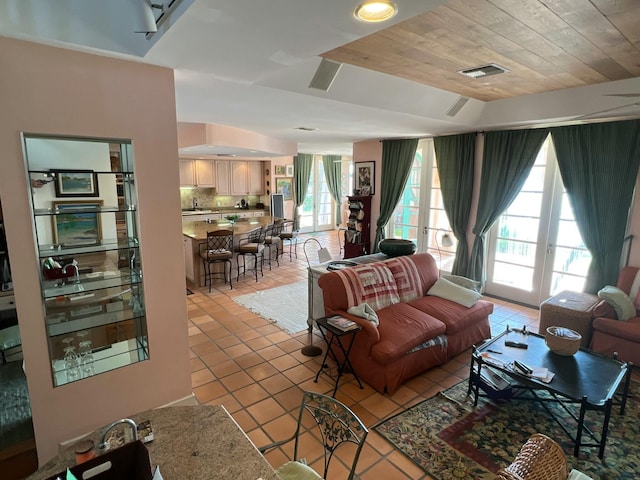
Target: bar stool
(252,244)
(272,239)
(290,236)
(217,249)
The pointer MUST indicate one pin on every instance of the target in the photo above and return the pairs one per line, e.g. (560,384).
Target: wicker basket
(540,458)
(562,340)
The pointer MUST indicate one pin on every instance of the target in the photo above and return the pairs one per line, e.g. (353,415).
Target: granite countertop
(190,443)
(198,230)
(222,210)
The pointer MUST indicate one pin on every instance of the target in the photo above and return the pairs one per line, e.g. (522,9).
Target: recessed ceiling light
(375,11)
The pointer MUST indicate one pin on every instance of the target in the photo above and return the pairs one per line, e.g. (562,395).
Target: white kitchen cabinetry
(223,177)
(259,213)
(205,173)
(187,173)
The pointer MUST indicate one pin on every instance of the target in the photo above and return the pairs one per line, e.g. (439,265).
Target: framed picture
(76,183)
(280,170)
(285,187)
(289,170)
(77,223)
(365,177)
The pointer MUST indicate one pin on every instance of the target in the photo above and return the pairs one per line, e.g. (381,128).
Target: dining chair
(272,239)
(217,249)
(251,244)
(289,234)
(338,427)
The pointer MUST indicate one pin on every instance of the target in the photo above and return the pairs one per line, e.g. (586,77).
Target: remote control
(522,367)
(510,343)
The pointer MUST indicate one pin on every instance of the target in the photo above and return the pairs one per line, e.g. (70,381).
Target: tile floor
(257,372)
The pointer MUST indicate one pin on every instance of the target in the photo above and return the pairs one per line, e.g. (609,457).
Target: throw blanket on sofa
(381,284)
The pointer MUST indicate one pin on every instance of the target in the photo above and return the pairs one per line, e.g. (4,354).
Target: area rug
(286,305)
(450,439)
(15,410)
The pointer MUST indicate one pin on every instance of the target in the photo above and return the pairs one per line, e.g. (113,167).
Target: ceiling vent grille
(483,71)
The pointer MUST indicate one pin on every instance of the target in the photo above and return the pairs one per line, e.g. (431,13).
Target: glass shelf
(112,244)
(86,225)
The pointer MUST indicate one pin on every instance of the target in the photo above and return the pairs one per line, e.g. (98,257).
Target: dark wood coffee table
(587,379)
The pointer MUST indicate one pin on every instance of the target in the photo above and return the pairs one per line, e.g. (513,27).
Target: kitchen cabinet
(206,173)
(88,250)
(258,213)
(247,178)
(255,178)
(239,183)
(223,177)
(187,173)
(201,217)
(189,259)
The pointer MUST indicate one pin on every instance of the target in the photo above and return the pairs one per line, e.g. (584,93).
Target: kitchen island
(190,443)
(195,233)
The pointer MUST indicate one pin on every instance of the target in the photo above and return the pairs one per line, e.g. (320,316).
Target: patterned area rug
(449,439)
(15,410)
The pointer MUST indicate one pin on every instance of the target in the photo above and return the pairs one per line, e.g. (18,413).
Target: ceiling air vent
(483,71)
(306,129)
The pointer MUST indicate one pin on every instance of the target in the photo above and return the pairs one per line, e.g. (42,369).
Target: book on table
(342,323)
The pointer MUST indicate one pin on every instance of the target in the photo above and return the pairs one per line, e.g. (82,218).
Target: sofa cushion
(402,328)
(455,316)
(445,289)
(371,283)
(619,300)
(629,330)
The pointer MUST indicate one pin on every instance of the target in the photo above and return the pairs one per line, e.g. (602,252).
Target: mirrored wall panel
(84,212)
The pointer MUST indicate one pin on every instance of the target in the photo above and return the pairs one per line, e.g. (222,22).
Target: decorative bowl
(562,340)
(396,247)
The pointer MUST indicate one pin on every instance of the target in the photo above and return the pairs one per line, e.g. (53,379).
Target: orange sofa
(416,331)
(611,335)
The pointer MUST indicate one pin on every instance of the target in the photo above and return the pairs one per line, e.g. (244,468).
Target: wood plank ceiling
(545,45)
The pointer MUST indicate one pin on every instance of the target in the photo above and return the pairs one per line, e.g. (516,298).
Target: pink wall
(56,91)
(371,150)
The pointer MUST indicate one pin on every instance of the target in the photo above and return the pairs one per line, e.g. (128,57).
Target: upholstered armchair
(611,334)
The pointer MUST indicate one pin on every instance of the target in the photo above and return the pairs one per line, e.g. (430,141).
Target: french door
(535,249)
(317,210)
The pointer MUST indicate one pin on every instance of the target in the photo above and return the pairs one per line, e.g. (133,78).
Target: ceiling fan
(613,109)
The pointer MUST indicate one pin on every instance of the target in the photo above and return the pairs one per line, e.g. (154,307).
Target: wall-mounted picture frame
(76,183)
(289,171)
(280,170)
(285,187)
(77,223)
(365,177)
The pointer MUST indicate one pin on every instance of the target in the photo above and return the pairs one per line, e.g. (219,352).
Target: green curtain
(397,158)
(302,164)
(332,171)
(599,168)
(454,159)
(507,160)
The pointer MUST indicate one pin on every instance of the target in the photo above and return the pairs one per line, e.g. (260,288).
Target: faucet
(103,445)
(77,272)
(194,202)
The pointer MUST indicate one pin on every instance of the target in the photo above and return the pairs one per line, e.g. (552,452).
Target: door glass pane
(405,218)
(572,259)
(517,227)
